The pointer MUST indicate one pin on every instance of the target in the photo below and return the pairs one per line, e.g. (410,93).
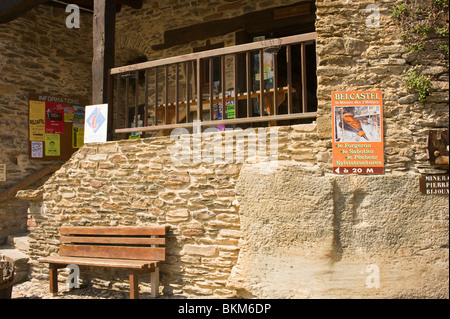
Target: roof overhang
(12,9)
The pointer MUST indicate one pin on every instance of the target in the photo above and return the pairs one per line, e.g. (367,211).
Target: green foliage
(417,82)
(420,22)
(442,3)
(419,19)
(421,27)
(444,47)
(442,32)
(398,10)
(416,47)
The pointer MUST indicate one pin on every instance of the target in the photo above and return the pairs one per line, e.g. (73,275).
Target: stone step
(16,249)
(20,242)
(19,259)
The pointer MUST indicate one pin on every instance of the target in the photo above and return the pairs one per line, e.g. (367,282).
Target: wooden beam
(267,118)
(294,39)
(12,191)
(89,6)
(11,9)
(103,40)
(292,11)
(135,4)
(104,25)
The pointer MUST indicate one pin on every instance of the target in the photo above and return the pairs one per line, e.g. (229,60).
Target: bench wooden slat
(112,240)
(101,262)
(143,253)
(113,231)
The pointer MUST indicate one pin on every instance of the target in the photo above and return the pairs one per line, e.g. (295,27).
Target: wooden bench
(136,249)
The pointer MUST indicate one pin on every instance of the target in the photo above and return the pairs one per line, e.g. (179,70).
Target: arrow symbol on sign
(337,170)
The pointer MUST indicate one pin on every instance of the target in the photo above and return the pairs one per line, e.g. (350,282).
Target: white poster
(96,123)
(37,149)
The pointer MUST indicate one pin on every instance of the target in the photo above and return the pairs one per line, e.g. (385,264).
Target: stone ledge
(30,194)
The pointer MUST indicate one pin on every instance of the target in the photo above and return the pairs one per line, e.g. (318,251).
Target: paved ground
(40,290)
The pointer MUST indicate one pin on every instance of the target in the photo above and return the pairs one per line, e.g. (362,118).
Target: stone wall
(353,56)
(149,181)
(38,54)
(306,236)
(252,228)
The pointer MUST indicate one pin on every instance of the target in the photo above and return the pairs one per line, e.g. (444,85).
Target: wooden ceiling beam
(300,15)
(88,4)
(11,9)
(135,4)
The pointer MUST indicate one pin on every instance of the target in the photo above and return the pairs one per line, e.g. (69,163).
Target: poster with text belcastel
(357,132)
(96,123)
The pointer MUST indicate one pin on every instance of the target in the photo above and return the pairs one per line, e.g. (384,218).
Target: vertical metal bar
(155,120)
(289,77)
(261,82)
(304,88)
(146,99)
(248,72)
(136,99)
(222,73)
(118,101)
(127,100)
(236,84)
(166,95)
(275,84)
(177,93)
(188,97)
(199,91)
(211,83)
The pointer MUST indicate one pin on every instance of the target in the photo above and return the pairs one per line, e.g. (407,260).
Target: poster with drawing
(54,118)
(357,119)
(37,149)
(357,123)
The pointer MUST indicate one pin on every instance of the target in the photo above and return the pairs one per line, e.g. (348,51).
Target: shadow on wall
(308,236)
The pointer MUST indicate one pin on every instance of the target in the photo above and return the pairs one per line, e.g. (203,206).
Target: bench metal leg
(154,279)
(134,284)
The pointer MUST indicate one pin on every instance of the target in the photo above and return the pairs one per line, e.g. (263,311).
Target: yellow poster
(52,145)
(37,121)
(77,136)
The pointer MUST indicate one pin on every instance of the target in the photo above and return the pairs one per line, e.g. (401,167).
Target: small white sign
(37,149)
(96,123)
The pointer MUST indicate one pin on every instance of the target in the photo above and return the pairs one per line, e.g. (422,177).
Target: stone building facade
(298,231)
(38,54)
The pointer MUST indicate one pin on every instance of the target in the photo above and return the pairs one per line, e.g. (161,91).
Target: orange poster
(357,132)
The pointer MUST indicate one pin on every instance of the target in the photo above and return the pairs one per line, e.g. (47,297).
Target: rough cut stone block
(230,233)
(206,251)
(178,215)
